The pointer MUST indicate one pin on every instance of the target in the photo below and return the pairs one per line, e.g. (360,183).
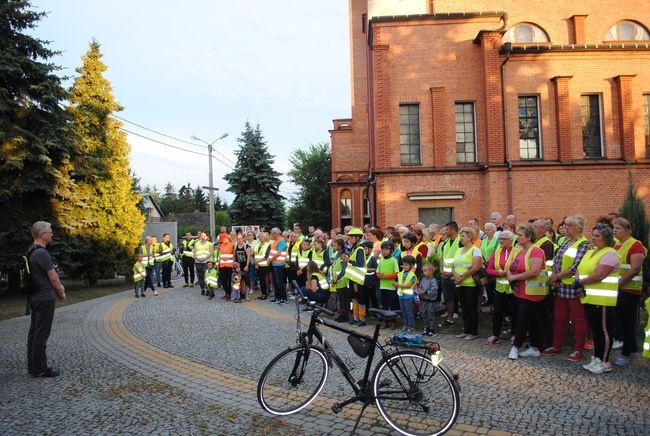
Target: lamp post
(211,188)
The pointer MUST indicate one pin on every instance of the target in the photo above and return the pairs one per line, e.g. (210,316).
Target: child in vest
(211,278)
(360,295)
(405,285)
(238,291)
(387,269)
(428,292)
(139,275)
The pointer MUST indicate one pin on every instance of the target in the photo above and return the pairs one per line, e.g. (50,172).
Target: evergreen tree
(255,183)
(104,230)
(169,200)
(185,199)
(200,201)
(35,139)
(633,209)
(312,171)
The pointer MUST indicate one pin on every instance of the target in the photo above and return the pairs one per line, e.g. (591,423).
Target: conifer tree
(633,209)
(106,228)
(255,183)
(34,134)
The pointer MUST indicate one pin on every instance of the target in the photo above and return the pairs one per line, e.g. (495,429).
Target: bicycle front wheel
(414,396)
(292,380)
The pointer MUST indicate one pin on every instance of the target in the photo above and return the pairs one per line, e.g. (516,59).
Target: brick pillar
(578,29)
(438,105)
(563,118)
(626,116)
(490,43)
(381,105)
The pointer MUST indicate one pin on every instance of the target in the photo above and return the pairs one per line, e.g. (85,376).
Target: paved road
(179,364)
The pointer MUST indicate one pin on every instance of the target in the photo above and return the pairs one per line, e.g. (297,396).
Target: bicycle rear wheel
(414,396)
(177,270)
(292,380)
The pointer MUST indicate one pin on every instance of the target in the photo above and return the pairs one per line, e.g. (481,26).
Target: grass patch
(12,306)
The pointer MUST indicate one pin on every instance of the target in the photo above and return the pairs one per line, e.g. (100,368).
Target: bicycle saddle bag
(359,345)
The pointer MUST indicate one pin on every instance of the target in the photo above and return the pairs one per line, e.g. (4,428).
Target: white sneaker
(600,367)
(617,344)
(594,361)
(530,352)
(514,353)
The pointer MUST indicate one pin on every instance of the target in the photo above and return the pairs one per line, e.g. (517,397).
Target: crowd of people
(532,277)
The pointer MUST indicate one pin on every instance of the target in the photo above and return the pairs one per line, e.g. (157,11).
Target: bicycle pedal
(336,408)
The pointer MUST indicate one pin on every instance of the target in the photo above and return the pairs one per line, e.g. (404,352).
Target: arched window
(345,207)
(627,31)
(525,32)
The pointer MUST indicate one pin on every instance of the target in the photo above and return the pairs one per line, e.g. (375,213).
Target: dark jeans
(167,272)
(504,304)
(469,297)
(225,278)
(148,281)
(389,299)
(279,282)
(262,272)
(601,320)
(156,268)
(39,332)
(545,322)
(626,311)
(188,269)
(527,313)
(370,293)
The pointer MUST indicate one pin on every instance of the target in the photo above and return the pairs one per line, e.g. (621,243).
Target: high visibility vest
(406,278)
(353,272)
(187,248)
(165,251)
(537,285)
(322,281)
(416,247)
(317,257)
(488,247)
(336,270)
(294,252)
(503,285)
(227,256)
(411,252)
(304,258)
(569,257)
(387,266)
(139,272)
(462,263)
(216,255)
(637,281)
(155,250)
(448,253)
(548,269)
(148,258)
(260,253)
(212,278)
(605,292)
(202,251)
(646,343)
(282,255)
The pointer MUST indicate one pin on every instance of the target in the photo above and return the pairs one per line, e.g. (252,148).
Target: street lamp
(211,188)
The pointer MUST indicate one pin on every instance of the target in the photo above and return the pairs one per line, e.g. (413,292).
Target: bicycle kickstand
(356,424)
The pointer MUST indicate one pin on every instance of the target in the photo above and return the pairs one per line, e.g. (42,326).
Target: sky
(205,68)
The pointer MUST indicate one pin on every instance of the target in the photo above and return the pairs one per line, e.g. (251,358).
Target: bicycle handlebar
(315,307)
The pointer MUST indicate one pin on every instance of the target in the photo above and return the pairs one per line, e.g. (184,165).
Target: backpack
(25,282)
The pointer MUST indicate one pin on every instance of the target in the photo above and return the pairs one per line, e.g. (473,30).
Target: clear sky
(204,68)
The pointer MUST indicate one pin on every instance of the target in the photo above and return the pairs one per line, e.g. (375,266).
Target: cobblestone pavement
(179,364)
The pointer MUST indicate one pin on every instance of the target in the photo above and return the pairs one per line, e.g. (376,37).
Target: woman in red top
(631,253)
(529,305)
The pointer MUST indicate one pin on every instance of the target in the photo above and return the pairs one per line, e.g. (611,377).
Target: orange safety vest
(227,255)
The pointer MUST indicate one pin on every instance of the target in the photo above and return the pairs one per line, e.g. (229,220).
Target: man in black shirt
(47,288)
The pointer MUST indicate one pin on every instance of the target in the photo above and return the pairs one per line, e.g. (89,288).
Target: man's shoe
(354,322)
(592,362)
(514,353)
(48,373)
(550,350)
(137,296)
(617,344)
(362,324)
(449,322)
(192,285)
(202,292)
(158,284)
(622,360)
(274,300)
(283,301)
(576,356)
(186,285)
(142,295)
(530,352)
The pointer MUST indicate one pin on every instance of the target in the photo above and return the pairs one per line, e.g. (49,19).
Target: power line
(173,146)
(172,137)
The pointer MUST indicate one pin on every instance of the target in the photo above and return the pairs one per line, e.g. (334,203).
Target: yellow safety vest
(569,257)
(322,281)
(212,278)
(318,257)
(148,258)
(448,253)
(187,247)
(336,270)
(165,252)
(503,285)
(549,262)
(406,278)
(139,272)
(304,258)
(202,250)
(636,284)
(260,253)
(537,285)
(462,263)
(605,292)
(356,273)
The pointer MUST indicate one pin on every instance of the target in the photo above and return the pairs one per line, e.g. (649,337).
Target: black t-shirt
(40,262)
(240,255)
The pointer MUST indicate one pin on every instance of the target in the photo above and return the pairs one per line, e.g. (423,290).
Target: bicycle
(414,392)
(177,269)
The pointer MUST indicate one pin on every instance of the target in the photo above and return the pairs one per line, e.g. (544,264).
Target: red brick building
(460,108)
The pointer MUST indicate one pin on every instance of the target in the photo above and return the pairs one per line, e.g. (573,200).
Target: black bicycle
(414,392)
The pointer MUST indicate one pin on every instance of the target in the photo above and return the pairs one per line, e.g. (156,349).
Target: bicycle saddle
(384,314)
